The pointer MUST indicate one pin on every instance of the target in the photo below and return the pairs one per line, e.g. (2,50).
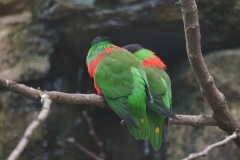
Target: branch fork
(46,101)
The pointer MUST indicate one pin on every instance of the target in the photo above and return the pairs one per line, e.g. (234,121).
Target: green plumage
(156,125)
(161,91)
(160,88)
(123,83)
(119,80)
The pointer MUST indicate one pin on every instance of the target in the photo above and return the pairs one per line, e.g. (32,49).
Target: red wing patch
(153,62)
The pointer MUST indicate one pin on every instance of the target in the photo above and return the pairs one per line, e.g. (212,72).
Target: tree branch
(209,148)
(210,92)
(31,128)
(194,120)
(94,134)
(93,99)
(35,94)
(82,148)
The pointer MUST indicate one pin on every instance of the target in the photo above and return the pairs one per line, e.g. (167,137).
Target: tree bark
(211,94)
(93,99)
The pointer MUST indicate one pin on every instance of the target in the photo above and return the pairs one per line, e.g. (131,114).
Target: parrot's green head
(98,45)
(100,39)
(140,52)
(147,57)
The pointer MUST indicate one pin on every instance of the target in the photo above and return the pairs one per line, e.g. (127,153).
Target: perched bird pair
(134,85)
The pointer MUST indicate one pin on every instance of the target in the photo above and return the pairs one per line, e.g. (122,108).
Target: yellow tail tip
(142,120)
(157,130)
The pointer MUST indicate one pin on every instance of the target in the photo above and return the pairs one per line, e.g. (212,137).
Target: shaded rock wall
(25,45)
(64,29)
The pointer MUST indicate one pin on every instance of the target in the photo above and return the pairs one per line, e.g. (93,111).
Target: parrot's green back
(120,78)
(159,85)
(160,88)
(121,84)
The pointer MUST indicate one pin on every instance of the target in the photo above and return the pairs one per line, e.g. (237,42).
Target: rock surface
(60,31)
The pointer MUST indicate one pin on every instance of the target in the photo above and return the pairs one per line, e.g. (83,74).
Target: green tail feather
(156,129)
(143,131)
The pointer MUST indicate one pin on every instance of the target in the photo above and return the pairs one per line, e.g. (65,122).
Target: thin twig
(31,128)
(212,95)
(82,148)
(209,148)
(94,134)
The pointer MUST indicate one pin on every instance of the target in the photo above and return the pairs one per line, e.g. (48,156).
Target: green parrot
(120,78)
(160,88)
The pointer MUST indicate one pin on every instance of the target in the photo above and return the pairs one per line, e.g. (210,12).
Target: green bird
(120,78)
(160,88)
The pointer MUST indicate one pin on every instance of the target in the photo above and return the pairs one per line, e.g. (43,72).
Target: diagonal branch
(209,148)
(94,134)
(212,95)
(31,128)
(93,99)
(83,149)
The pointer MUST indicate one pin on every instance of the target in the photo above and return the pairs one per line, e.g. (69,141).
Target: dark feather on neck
(133,47)
(100,39)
